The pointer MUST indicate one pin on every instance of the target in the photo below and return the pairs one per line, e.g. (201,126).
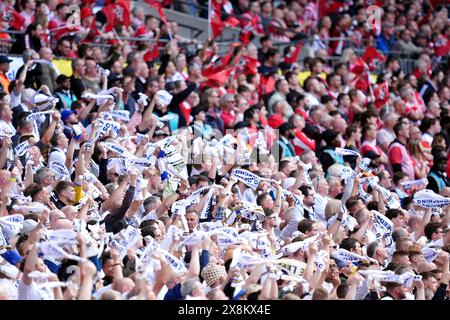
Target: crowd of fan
(190,175)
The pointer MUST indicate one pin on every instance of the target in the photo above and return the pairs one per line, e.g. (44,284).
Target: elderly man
(48,71)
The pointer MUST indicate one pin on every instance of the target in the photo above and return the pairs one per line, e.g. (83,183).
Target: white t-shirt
(249,195)
(12,286)
(320,203)
(32,292)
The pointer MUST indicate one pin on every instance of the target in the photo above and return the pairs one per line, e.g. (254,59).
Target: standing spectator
(399,157)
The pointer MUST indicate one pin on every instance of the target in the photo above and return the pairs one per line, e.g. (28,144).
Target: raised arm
(48,134)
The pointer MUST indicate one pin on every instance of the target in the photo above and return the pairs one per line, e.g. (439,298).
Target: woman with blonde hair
(420,160)
(331,209)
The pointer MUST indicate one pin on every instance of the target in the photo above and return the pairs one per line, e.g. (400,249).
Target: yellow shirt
(78,193)
(302,76)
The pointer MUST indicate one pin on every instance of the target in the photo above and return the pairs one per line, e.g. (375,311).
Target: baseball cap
(65,114)
(5,59)
(61,78)
(12,256)
(86,12)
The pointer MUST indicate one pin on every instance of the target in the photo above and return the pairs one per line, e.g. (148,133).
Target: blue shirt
(385,45)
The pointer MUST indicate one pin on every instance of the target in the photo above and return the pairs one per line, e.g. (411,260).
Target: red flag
(217,24)
(441,46)
(217,79)
(294,57)
(358,67)
(162,15)
(373,58)
(245,35)
(251,65)
(117,13)
(159,7)
(267,84)
(381,93)
(17,21)
(219,65)
(60,32)
(158,3)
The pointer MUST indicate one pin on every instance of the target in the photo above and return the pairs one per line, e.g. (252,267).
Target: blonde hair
(331,208)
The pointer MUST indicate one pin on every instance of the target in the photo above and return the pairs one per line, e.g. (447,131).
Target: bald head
(70,212)
(111,295)
(425,267)
(123,285)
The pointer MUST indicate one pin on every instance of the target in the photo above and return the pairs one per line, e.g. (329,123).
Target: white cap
(288,182)
(28,226)
(40,98)
(43,101)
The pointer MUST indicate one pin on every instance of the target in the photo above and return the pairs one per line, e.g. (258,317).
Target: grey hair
(371,248)
(226,97)
(188,286)
(41,174)
(28,54)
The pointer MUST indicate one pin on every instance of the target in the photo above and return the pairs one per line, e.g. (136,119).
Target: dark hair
(427,123)
(393,213)
(372,205)
(431,228)
(271,53)
(398,176)
(341,96)
(261,198)
(351,202)
(305,225)
(250,113)
(62,185)
(32,190)
(342,290)
(147,223)
(149,231)
(398,126)
(348,244)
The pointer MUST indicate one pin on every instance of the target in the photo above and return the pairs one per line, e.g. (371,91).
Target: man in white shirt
(386,135)
(429,127)
(321,198)
(60,143)
(6,116)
